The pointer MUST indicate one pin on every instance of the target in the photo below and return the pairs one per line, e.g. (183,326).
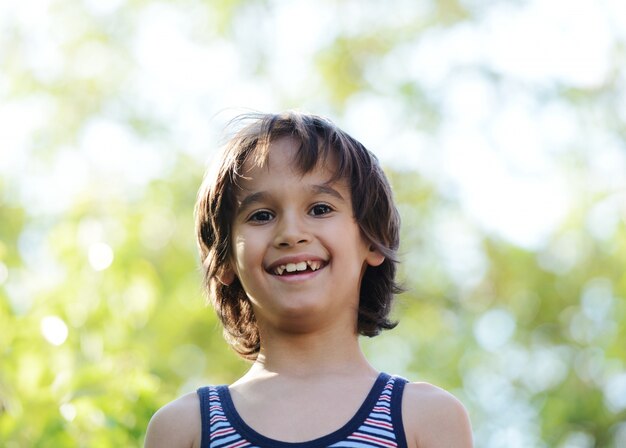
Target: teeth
(314,265)
(301,266)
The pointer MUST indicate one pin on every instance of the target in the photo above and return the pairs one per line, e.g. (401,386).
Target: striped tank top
(377,423)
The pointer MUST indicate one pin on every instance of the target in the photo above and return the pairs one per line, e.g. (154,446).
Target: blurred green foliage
(531,339)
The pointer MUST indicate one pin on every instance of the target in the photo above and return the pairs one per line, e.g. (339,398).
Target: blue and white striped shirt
(377,423)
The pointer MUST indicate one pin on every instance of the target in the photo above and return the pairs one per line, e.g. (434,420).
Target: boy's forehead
(283,154)
(281,161)
(256,178)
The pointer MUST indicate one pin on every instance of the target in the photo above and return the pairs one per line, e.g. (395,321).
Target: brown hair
(372,204)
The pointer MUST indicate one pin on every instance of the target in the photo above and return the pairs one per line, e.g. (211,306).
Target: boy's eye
(261,216)
(320,209)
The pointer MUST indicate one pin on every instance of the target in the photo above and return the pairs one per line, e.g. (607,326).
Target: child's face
(297,250)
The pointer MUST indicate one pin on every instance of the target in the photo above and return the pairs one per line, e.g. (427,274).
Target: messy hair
(374,211)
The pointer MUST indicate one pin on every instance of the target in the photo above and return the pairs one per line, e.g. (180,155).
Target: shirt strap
(205,415)
(396,410)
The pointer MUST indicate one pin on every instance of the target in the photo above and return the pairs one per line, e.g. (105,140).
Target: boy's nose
(291,232)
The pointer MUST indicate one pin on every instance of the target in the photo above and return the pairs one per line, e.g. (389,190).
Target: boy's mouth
(295,268)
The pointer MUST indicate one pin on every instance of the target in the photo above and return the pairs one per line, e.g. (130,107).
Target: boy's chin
(306,319)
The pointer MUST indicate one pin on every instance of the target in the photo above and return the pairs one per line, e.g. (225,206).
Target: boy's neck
(309,355)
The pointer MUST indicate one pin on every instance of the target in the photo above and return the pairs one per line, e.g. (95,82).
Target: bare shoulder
(177,424)
(434,418)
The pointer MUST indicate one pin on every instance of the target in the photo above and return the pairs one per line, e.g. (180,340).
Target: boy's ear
(374,257)
(226,276)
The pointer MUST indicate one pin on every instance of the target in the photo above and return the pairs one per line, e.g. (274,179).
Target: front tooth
(291,267)
(301,266)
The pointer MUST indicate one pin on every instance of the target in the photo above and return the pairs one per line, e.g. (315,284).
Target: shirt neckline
(338,435)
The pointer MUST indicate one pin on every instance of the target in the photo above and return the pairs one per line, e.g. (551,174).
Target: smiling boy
(298,235)
(297,250)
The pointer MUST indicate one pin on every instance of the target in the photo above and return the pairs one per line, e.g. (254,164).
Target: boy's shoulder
(434,417)
(177,424)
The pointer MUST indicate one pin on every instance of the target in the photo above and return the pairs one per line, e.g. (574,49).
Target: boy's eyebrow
(327,189)
(263,196)
(259,196)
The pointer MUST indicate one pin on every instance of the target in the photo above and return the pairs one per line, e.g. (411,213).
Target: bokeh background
(501,124)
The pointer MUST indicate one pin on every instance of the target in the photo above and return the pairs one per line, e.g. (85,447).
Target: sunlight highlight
(68,411)
(54,330)
(100,256)
(4,273)
(494,329)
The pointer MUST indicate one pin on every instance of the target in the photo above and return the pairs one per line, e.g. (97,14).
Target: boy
(298,236)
